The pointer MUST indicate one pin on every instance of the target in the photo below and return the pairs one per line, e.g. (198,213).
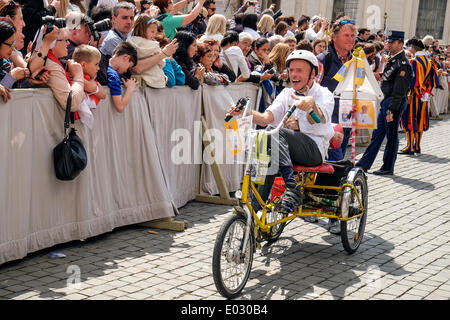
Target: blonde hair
(62,11)
(428,40)
(80,5)
(290,39)
(317,26)
(85,53)
(278,55)
(217,24)
(266,24)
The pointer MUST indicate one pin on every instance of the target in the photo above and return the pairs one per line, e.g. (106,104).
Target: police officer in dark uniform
(395,86)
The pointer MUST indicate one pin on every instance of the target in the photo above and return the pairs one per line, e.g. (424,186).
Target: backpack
(327,63)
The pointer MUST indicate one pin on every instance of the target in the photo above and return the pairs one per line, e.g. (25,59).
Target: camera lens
(103,25)
(60,22)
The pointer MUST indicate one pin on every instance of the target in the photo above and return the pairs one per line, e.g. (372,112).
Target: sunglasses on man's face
(344,22)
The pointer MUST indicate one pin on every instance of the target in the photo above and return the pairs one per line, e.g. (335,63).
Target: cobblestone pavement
(405,253)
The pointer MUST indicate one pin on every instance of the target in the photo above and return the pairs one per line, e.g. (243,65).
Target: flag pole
(354,101)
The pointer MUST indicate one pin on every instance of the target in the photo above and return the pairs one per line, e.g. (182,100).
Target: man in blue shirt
(339,52)
(122,24)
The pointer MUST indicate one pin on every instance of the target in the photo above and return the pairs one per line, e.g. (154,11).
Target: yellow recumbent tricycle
(332,190)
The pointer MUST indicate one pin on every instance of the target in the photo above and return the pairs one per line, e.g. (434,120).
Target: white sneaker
(334,227)
(312,219)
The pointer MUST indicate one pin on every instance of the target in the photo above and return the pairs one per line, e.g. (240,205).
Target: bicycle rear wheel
(231,262)
(352,231)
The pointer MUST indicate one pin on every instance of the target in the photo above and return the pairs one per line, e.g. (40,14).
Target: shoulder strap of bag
(162,16)
(69,115)
(228,60)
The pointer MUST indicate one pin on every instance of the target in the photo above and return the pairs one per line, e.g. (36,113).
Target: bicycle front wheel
(232,262)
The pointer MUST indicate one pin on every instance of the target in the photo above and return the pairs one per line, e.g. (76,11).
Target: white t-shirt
(321,133)
(255,35)
(289,33)
(237,60)
(311,35)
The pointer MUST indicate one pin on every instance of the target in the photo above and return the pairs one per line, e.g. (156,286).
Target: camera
(51,21)
(271,71)
(38,77)
(97,27)
(251,3)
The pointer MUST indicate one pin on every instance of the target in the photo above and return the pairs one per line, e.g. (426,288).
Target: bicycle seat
(323,168)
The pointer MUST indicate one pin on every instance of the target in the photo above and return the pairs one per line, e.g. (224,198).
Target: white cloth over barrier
(439,102)
(130,177)
(217,100)
(175,117)
(122,184)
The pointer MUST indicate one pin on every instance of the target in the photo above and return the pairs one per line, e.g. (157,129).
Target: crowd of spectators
(166,47)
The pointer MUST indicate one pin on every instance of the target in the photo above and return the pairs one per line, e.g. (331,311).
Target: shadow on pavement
(105,254)
(305,270)
(432,159)
(414,183)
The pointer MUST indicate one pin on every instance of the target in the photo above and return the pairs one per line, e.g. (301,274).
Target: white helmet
(303,55)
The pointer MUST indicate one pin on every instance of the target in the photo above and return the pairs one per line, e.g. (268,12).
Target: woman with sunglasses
(62,82)
(12,10)
(8,73)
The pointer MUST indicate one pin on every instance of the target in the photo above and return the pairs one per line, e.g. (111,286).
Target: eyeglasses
(212,9)
(11,45)
(62,40)
(344,22)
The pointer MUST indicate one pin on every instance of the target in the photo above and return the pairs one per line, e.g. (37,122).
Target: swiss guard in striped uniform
(415,117)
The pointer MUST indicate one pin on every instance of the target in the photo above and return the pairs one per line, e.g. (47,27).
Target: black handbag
(69,156)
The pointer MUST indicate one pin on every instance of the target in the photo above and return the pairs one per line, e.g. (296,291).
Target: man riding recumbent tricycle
(298,183)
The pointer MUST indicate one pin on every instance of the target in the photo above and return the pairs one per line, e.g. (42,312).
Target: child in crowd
(89,59)
(172,70)
(144,32)
(124,58)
